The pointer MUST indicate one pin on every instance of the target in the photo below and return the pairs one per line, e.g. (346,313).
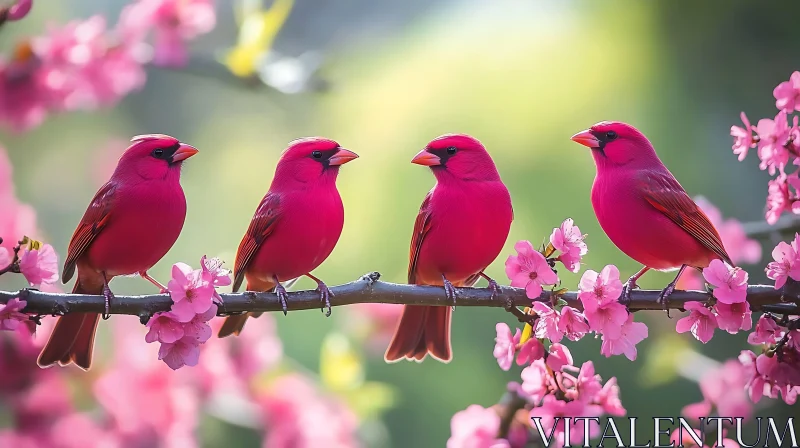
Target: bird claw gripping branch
(108,296)
(325,295)
(283,297)
(449,290)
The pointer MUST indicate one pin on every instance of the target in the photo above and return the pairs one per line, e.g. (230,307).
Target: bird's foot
(629,286)
(325,295)
(663,298)
(283,297)
(450,291)
(108,296)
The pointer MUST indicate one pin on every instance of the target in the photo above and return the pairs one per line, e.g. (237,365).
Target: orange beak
(341,157)
(586,138)
(425,158)
(184,152)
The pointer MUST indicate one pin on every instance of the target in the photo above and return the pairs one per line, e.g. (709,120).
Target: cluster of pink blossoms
(778,145)
(731,311)
(598,294)
(85,65)
(776,371)
(552,389)
(185,327)
(531,269)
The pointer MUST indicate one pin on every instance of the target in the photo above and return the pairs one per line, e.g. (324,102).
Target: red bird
(296,225)
(461,227)
(131,223)
(643,209)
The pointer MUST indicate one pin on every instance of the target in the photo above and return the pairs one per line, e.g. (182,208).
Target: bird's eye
(158,153)
(452,150)
(611,135)
(316,154)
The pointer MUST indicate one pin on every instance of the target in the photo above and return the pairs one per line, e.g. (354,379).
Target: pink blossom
(773,135)
(572,323)
(569,241)
(83,69)
(535,380)
(530,351)
(198,328)
(724,387)
(785,264)
(529,269)
(183,352)
(558,357)
(475,427)
(778,199)
(608,398)
(39,265)
(700,321)
(630,334)
(766,332)
(547,323)
(734,317)
(191,293)
(375,322)
(787,94)
(25,99)
(164,327)
(585,386)
(214,273)
(730,282)
(175,22)
(608,319)
(11,315)
(505,345)
(742,138)
(596,290)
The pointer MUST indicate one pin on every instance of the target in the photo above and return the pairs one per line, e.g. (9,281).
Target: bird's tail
(422,330)
(72,339)
(235,324)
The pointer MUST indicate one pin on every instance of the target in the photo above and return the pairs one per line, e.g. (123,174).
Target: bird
(644,210)
(461,228)
(130,224)
(295,226)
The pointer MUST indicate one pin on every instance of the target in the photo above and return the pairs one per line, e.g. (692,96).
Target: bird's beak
(586,138)
(184,152)
(426,158)
(341,157)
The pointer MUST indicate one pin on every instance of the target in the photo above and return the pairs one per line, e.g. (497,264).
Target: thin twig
(367,289)
(786,225)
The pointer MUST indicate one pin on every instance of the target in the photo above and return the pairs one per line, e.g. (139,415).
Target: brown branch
(368,289)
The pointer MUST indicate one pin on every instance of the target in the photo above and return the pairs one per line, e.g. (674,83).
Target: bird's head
(154,156)
(312,158)
(614,143)
(457,156)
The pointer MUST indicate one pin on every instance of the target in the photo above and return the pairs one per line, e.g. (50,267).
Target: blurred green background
(522,76)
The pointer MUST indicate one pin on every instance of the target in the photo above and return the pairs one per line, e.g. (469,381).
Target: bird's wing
(421,227)
(94,220)
(261,226)
(664,193)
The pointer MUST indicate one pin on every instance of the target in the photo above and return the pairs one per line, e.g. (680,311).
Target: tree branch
(369,289)
(786,225)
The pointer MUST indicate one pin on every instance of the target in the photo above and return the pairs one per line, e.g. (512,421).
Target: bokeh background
(522,76)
